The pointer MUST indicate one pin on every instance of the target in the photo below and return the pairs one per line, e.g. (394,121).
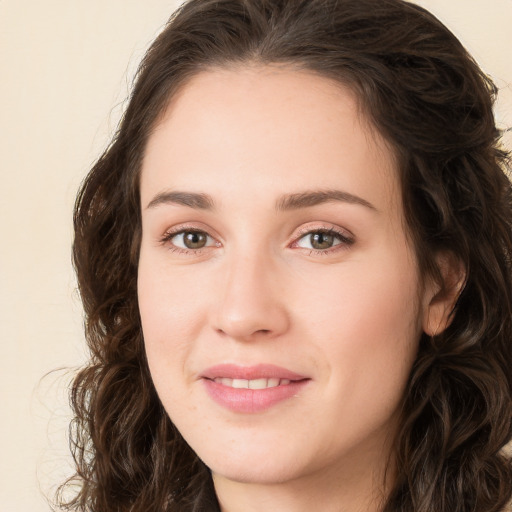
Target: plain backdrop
(65,73)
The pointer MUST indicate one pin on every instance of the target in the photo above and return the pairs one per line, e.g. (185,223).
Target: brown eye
(190,240)
(194,239)
(321,240)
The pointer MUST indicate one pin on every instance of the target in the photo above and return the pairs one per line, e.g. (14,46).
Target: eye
(322,240)
(189,239)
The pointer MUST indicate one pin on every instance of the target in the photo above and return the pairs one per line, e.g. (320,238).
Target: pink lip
(260,371)
(251,400)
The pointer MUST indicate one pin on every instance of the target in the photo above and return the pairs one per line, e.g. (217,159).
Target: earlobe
(441,294)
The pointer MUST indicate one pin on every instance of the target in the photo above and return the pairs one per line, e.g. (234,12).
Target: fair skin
(246,274)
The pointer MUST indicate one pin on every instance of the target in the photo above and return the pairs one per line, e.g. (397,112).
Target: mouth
(251,384)
(259,372)
(251,389)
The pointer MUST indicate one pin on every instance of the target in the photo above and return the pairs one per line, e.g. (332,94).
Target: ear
(440,297)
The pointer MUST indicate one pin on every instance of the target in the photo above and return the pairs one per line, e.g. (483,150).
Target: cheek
(368,295)
(168,305)
(366,325)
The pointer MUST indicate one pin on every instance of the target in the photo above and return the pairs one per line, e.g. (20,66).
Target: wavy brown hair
(420,89)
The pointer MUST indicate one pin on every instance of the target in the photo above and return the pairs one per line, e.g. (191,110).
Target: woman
(295,263)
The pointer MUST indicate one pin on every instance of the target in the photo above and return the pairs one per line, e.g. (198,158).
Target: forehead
(255,125)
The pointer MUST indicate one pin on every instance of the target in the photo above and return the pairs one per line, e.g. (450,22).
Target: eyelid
(325,227)
(170,233)
(346,237)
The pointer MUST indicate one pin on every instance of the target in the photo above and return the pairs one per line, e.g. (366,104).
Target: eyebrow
(287,202)
(190,199)
(315,197)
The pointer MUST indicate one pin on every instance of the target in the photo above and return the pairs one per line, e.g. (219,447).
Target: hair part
(427,97)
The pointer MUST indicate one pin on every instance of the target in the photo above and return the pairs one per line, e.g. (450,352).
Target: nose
(252,303)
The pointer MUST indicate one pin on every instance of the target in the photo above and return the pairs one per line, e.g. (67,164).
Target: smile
(253,383)
(251,389)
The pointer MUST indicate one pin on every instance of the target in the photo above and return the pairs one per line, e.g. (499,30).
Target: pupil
(194,240)
(322,240)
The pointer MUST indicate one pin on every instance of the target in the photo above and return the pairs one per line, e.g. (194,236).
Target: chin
(251,464)
(255,472)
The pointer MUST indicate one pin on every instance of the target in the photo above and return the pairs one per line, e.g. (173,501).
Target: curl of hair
(421,90)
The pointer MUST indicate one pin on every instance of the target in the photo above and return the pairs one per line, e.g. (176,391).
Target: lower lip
(251,400)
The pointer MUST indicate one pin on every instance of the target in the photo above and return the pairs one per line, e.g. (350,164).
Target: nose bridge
(251,300)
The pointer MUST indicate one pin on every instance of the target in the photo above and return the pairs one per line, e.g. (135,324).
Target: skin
(348,317)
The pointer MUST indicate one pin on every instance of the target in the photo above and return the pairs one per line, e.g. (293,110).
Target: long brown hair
(422,91)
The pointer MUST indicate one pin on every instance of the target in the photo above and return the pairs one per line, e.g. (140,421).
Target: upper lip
(259,371)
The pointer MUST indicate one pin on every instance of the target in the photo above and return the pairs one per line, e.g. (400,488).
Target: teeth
(239,383)
(252,384)
(257,384)
(272,383)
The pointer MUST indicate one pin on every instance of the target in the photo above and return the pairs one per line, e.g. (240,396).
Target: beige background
(65,68)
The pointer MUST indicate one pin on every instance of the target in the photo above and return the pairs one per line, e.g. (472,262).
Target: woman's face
(280,298)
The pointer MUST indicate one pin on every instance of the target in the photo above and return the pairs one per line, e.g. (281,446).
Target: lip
(243,400)
(259,371)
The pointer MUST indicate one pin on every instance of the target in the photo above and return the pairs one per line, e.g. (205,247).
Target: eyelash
(345,240)
(169,235)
